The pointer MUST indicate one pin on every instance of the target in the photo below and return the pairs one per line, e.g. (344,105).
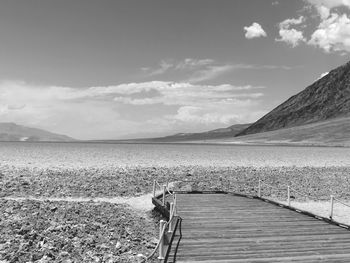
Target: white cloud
(329,3)
(173,93)
(199,70)
(254,31)
(218,114)
(289,35)
(187,64)
(110,111)
(164,66)
(323,11)
(291,21)
(191,63)
(210,72)
(333,31)
(204,115)
(333,34)
(190,69)
(292,36)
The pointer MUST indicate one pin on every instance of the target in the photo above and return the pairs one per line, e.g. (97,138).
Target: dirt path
(141,203)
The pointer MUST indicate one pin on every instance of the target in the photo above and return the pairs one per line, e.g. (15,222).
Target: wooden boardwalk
(228,228)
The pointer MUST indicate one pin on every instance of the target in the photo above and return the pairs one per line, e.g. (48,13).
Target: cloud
(333,34)
(200,70)
(254,31)
(218,114)
(164,66)
(259,67)
(182,65)
(111,111)
(323,11)
(291,21)
(180,93)
(204,115)
(329,3)
(189,69)
(191,63)
(275,3)
(289,35)
(210,72)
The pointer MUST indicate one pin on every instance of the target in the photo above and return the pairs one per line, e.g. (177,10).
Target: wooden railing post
(331,208)
(161,239)
(288,193)
(154,188)
(259,188)
(164,191)
(175,205)
(170,229)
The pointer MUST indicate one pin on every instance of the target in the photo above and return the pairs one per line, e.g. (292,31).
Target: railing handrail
(164,225)
(162,234)
(159,242)
(208,180)
(291,190)
(168,190)
(332,198)
(341,202)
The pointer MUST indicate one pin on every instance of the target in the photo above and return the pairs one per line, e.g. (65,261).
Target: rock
(118,245)
(63,254)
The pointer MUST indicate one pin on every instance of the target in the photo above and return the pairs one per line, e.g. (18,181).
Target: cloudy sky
(126,68)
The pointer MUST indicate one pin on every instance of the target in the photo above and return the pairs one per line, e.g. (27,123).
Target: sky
(113,69)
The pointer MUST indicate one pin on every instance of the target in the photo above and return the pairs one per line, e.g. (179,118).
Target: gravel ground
(60,231)
(33,231)
(137,181)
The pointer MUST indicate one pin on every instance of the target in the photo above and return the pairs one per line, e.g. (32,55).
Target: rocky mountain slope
(327,98)
(13,132)
(331,132)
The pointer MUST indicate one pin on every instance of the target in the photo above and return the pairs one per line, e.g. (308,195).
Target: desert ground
(105,215)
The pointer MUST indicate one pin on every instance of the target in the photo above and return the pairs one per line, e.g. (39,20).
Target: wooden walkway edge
(221,227)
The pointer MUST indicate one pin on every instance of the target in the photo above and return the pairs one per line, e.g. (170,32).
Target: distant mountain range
(13,132)
(221,133)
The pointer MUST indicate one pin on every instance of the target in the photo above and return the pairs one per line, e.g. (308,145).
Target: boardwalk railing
(168,229)
(333,200)
(289,197)
(286,192)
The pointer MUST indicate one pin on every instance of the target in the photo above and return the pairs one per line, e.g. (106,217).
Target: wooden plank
(227,228)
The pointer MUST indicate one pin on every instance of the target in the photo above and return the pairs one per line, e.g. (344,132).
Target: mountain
(213,134)
(13,132)
(331,132)
(221,133)
(327,98)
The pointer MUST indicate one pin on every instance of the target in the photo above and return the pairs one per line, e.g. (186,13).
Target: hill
(332,132)
(221,133)
(327,98)
(13,132)
(228,132)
